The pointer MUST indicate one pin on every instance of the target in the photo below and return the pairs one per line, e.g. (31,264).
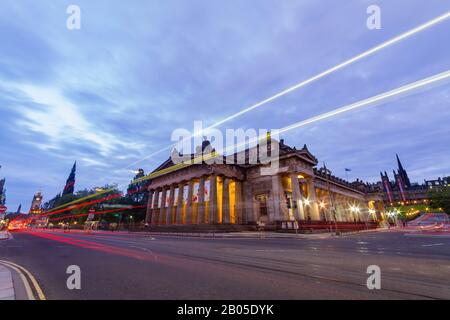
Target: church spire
(400,167)
(402,173)
(70,182)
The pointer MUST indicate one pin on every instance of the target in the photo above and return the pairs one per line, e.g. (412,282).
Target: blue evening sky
(111,93)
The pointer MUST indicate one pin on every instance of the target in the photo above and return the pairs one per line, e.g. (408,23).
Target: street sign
(3,209)
(91,214)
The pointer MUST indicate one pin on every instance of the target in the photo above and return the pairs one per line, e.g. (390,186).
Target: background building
(400,191)
(36,204)
(70,182)
(2,191)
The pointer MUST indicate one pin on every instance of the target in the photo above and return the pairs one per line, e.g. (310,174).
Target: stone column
(148,214)
(239,211)
(312,197)
(189,204)
(297,197)
(170,207)
(328,208)
(347,213)
(162,212)
(201,201)
(276,196)
(180,203)
(342,214)
(212,210)
(226,201)
(249,213)
(155,208)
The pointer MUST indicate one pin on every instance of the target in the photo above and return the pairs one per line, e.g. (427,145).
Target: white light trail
(359,104)
(356,105)
(350,61)
(370,101)
(338,67)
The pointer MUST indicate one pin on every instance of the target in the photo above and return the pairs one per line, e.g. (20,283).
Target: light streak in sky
(316,77)
(369,101)
(357,105)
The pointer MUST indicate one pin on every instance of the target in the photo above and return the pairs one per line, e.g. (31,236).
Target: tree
(440,199)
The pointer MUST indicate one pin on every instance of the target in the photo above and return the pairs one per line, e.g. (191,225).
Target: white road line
(32,278)
(432,245)
(25,282)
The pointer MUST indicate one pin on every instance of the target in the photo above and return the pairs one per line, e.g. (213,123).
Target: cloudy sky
(112,93)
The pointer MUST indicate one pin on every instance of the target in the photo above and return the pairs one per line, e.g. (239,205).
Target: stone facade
(240,194)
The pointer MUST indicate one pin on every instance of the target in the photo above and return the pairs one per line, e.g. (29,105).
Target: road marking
(38,289)
(26,284)
(395,269)
(430,235)
(431,245)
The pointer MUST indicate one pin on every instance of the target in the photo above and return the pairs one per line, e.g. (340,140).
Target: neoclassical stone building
(239,194)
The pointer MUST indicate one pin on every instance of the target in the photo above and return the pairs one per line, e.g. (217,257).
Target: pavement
(151,266)
(6,284)
(16,282)
(4,235)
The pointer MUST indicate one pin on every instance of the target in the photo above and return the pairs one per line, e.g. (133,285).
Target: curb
(364,231)
(21,285)
(240,236)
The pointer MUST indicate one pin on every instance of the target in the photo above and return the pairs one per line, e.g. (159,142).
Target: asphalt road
(137,266)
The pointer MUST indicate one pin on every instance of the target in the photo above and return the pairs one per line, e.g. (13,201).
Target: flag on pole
(348,170)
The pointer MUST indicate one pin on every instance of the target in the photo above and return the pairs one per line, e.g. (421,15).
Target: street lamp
(130,221)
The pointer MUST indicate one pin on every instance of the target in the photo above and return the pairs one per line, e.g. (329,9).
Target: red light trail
(97,212)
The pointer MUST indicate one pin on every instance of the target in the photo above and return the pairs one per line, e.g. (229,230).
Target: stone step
(203,228)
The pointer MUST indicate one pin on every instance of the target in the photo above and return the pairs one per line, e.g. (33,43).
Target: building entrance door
(262,204)
(290,205)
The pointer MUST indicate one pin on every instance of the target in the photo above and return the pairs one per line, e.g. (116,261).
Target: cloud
(60,121)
